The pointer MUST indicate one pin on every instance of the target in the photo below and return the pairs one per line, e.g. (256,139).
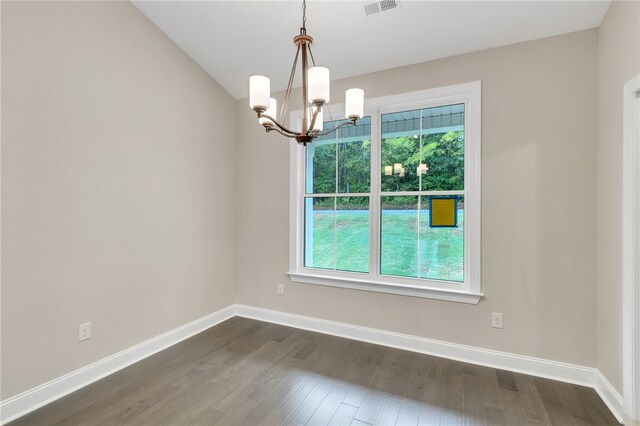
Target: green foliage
(443,153)
(445,158)
(353,174)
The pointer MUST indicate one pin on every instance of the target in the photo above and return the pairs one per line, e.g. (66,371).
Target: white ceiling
(233,40)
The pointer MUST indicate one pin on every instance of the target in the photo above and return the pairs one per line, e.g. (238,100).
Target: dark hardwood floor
(250,372)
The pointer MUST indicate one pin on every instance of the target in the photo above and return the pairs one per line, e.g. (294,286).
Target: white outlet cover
(496,320)
(84,331)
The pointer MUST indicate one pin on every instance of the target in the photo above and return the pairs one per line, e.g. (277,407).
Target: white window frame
(468,291)
(630,253)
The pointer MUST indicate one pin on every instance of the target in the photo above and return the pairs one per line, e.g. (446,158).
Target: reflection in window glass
(352,234)
(319,224)
(399,236)
(354,166)
(337,227)
(423,150)
(350,149)
(442,248)
(321,168)
(337,233)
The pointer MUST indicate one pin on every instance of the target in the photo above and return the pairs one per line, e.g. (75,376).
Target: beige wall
(117,208)
(538,201)
(618,62)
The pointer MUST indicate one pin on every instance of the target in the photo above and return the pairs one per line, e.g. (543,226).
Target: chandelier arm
(348,123)
(314,117)
(285,103)
(280,126)
(313,60)
(330,116)
(273,129)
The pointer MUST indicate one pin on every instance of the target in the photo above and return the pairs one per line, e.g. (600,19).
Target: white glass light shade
(354,103)
(271,111)
(318,84)
(388,170)
(259,92)
(397,168)
(422,169)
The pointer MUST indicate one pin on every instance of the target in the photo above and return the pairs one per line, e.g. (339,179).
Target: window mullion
(374,199)
(335,210)
(420,198)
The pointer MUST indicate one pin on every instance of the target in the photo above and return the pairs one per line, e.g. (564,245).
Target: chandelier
(315,93)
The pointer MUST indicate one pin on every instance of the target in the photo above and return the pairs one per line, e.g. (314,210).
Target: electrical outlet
(84,331)
(280,289)
(496,320)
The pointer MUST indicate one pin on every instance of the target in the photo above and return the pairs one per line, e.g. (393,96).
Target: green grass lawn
(441,249)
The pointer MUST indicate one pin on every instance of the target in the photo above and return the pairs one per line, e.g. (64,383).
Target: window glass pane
(399,236)
(423,149)
(352,234)
(319,232)
(400,151)
(443,148)
(442,238)
(351,145)
(354,166)
(321,167)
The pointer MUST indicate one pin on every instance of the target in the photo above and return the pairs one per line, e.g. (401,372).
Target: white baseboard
(570,373)
(32,399)
(610,396)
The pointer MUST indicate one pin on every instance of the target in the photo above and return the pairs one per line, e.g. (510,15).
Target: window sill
(380,287)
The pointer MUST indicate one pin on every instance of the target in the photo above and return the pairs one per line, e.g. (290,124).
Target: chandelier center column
(303,40)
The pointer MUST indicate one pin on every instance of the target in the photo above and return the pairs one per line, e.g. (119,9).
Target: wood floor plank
(418,378)
(324,413)
(258,383)
(557,403)
(409,414)
(453,389)
(530,403)
(343,416)
(368,409)
(355,396)
(506,380)
(448,419)
(388,412)
(283,399)
(475,412)
(308,406)
(429,414)
(247,372)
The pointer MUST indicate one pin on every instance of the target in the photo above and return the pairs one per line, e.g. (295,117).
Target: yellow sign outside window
(443,212)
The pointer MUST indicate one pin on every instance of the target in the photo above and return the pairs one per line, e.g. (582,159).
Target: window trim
(470,292)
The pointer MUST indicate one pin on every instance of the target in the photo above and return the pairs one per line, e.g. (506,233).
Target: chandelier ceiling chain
(304,15)
(315,93)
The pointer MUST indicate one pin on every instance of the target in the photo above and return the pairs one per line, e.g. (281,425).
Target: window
(393,203)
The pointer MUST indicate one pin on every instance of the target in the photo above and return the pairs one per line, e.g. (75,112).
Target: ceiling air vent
(380,6)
